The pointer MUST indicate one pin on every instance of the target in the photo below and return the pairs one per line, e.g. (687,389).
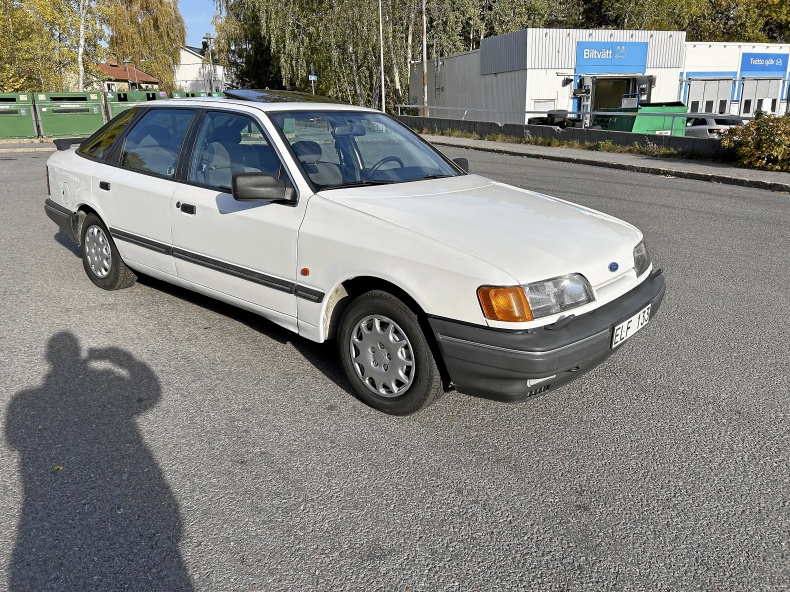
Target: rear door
(132,190)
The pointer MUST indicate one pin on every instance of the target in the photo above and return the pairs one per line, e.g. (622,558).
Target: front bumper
(498,364)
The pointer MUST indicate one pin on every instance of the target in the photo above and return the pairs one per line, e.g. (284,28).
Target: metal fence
(585,119)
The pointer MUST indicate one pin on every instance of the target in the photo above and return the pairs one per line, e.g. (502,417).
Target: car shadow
(63,240)
(323,356)
(97,511)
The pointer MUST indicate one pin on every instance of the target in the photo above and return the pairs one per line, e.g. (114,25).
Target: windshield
(351,149)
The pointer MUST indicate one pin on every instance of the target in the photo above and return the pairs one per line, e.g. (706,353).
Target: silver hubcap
(382,356)
(97,251)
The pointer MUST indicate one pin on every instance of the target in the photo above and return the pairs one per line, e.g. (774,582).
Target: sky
(197,18)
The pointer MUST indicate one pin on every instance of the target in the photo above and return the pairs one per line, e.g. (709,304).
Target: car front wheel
(100,257)
(386,356)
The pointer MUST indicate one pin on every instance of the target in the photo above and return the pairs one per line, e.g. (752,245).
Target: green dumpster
(196,94)
(16,116)
(118,102)
(675,126)
(614,122)
(177,95)
(217,94)
(650,124)
(68,114)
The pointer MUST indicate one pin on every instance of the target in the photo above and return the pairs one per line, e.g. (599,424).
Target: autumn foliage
(763,143)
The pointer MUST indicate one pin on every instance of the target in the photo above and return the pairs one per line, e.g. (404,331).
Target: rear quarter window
(95,146)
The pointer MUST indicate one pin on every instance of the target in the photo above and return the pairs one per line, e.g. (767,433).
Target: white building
(738,78)
(195,74)
(515,76)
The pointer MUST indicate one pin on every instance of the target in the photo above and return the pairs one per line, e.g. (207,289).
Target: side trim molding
(255,277)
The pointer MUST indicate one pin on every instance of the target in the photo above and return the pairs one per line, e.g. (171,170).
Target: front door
(246,250)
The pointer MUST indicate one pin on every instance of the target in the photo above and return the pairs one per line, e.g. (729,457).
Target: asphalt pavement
(153,439)
(683,168)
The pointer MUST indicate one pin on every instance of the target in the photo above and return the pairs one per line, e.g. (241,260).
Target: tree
(243,49)
(341,37)
(150,33)
(45,43)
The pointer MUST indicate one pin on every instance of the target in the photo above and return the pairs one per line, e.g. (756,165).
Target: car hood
(526,234)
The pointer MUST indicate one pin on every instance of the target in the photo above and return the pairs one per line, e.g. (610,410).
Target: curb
(636,168)
(31,149)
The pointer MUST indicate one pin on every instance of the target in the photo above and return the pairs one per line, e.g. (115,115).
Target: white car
(338,222)
(711,126)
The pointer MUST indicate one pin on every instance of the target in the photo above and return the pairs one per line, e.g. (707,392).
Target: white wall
(192,74)
(666,84)
(545,85)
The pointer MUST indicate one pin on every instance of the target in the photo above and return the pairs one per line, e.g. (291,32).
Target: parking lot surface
(154,439)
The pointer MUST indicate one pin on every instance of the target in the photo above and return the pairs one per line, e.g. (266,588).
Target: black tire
(374,310)
(100,257)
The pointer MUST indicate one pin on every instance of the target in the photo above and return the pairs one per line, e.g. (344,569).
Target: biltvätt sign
(764,64)
(611,57)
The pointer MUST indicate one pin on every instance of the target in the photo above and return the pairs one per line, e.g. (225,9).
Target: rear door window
(154,143)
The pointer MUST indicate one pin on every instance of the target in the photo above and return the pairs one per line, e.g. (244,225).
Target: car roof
(267,107)
(277,96)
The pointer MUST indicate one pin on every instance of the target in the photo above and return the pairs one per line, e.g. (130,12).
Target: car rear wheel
(386,356)
(100,257)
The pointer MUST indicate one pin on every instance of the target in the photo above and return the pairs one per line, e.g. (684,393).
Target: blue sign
(611,57)
(772,65)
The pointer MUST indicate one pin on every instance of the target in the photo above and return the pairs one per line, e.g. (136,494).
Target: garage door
(760,94)
(710,96)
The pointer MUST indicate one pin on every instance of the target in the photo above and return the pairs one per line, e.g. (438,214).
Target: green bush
(763,143)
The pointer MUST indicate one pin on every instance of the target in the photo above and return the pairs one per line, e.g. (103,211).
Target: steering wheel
(384,161)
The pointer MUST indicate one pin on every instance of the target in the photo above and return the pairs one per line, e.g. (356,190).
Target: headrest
(216,156)
(155,135)
(226,135)
(307,151)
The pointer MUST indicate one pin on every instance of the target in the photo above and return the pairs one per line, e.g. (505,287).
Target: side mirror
(463,163)
(261,187)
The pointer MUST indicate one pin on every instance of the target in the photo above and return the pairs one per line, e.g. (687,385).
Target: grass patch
(605,146)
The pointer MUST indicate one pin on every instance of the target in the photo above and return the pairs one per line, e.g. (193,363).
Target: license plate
(627,328)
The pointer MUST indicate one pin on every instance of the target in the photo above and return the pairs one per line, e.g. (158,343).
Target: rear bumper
(504,365)
(62,217)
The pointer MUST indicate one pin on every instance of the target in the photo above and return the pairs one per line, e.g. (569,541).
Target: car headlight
(535,300)
(641,258)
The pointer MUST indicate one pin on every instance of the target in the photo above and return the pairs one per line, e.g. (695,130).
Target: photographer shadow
(98,513)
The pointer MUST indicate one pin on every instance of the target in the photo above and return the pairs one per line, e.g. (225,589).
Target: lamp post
(208,38)
(381,40)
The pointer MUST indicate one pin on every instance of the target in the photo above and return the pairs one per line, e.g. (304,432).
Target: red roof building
(120,77)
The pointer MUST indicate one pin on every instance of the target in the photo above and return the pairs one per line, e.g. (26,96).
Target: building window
(759,105)
(694,106)
(773,105)
(723,106)
(708,106)
(747,106)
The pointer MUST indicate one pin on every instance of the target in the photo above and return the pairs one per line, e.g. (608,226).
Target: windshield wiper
(366,183)
(434,177)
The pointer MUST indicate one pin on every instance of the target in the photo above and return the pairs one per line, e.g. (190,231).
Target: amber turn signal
(504,304)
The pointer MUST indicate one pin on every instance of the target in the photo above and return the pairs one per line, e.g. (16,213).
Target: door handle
(104,185)
(186,208)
